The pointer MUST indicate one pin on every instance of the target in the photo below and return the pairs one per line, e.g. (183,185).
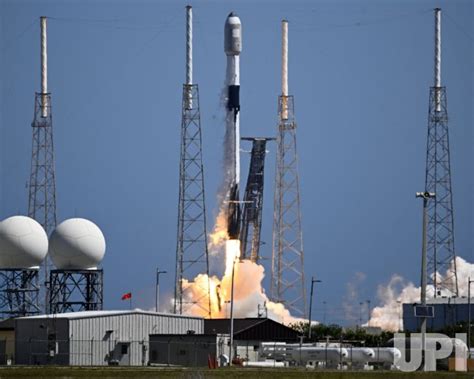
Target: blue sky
(360,72)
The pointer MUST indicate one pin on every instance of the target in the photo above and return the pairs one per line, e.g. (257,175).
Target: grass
(192,373)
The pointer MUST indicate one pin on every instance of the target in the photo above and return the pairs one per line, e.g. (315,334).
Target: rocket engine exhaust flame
(248,291)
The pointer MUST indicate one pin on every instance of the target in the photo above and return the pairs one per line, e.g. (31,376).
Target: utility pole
(469,281)
(425,196)
(311,304)
(368,311)
(399,315)
(231,345)
(158,272)
(324,312)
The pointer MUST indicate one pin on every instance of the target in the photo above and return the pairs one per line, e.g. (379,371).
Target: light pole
(157,298)
(368,311)
(425,196)
(469,281)
(360,314)
(399,302)
(311,303)
(232,313)
(324,312)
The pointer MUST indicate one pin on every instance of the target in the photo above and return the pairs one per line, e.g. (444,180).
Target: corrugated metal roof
(92,314)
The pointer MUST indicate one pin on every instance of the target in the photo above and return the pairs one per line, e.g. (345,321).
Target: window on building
(124,349)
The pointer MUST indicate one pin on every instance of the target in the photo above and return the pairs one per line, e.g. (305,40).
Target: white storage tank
(77,244)
(23,243)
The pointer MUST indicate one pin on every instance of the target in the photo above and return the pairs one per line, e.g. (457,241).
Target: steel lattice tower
(191,251)
(42,185)
(287,285)
(441,255)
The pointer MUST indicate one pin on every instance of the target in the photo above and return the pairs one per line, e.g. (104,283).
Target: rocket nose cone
(232,19)
(233,35)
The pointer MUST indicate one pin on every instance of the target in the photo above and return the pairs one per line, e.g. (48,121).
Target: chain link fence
(191,351)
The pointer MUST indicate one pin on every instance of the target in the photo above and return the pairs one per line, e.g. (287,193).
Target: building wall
(7,346)
(121,339)
(445,314)
(186,350)
(41,341)
(98,340)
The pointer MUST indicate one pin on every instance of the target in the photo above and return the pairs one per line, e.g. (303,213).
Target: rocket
(232,49)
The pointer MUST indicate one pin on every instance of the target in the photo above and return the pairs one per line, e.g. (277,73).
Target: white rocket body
(232,48)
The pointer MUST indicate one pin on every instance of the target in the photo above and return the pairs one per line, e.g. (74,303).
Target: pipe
(437,63)
(189,45)
(284,69)
(44,68)
(189,57)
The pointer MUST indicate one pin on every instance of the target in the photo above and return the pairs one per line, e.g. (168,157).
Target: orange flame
(248,290)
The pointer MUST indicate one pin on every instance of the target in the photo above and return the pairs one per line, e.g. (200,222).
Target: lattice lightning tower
(287,285)
(191,250)
(42,185)
(441,255)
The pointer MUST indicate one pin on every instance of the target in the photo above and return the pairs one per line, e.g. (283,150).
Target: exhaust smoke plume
(249,294)
(399,291)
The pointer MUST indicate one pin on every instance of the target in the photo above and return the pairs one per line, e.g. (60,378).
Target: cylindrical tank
(77,244)
(359,354)
(296,352)
(386,355)
(232,35)
(23,243)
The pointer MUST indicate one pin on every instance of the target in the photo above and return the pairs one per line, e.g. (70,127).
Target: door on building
(124,353)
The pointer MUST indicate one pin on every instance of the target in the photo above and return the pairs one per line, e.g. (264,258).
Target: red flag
(126,296)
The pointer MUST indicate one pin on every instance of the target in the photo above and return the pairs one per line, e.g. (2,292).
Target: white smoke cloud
(399,291)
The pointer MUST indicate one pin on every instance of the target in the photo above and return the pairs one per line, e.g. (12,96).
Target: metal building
(447,311)
(193,350)
(95,338)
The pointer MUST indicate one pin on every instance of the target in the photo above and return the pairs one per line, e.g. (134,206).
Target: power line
(377,21)
(461,29)
(19,36)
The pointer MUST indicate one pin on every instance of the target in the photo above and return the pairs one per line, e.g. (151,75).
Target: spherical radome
(76,244)
(23,243)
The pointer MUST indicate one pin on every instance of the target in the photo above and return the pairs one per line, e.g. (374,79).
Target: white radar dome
(23,243)
(77,244)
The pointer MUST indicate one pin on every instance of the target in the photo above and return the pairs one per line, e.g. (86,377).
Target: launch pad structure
(253,200)
(192,256)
